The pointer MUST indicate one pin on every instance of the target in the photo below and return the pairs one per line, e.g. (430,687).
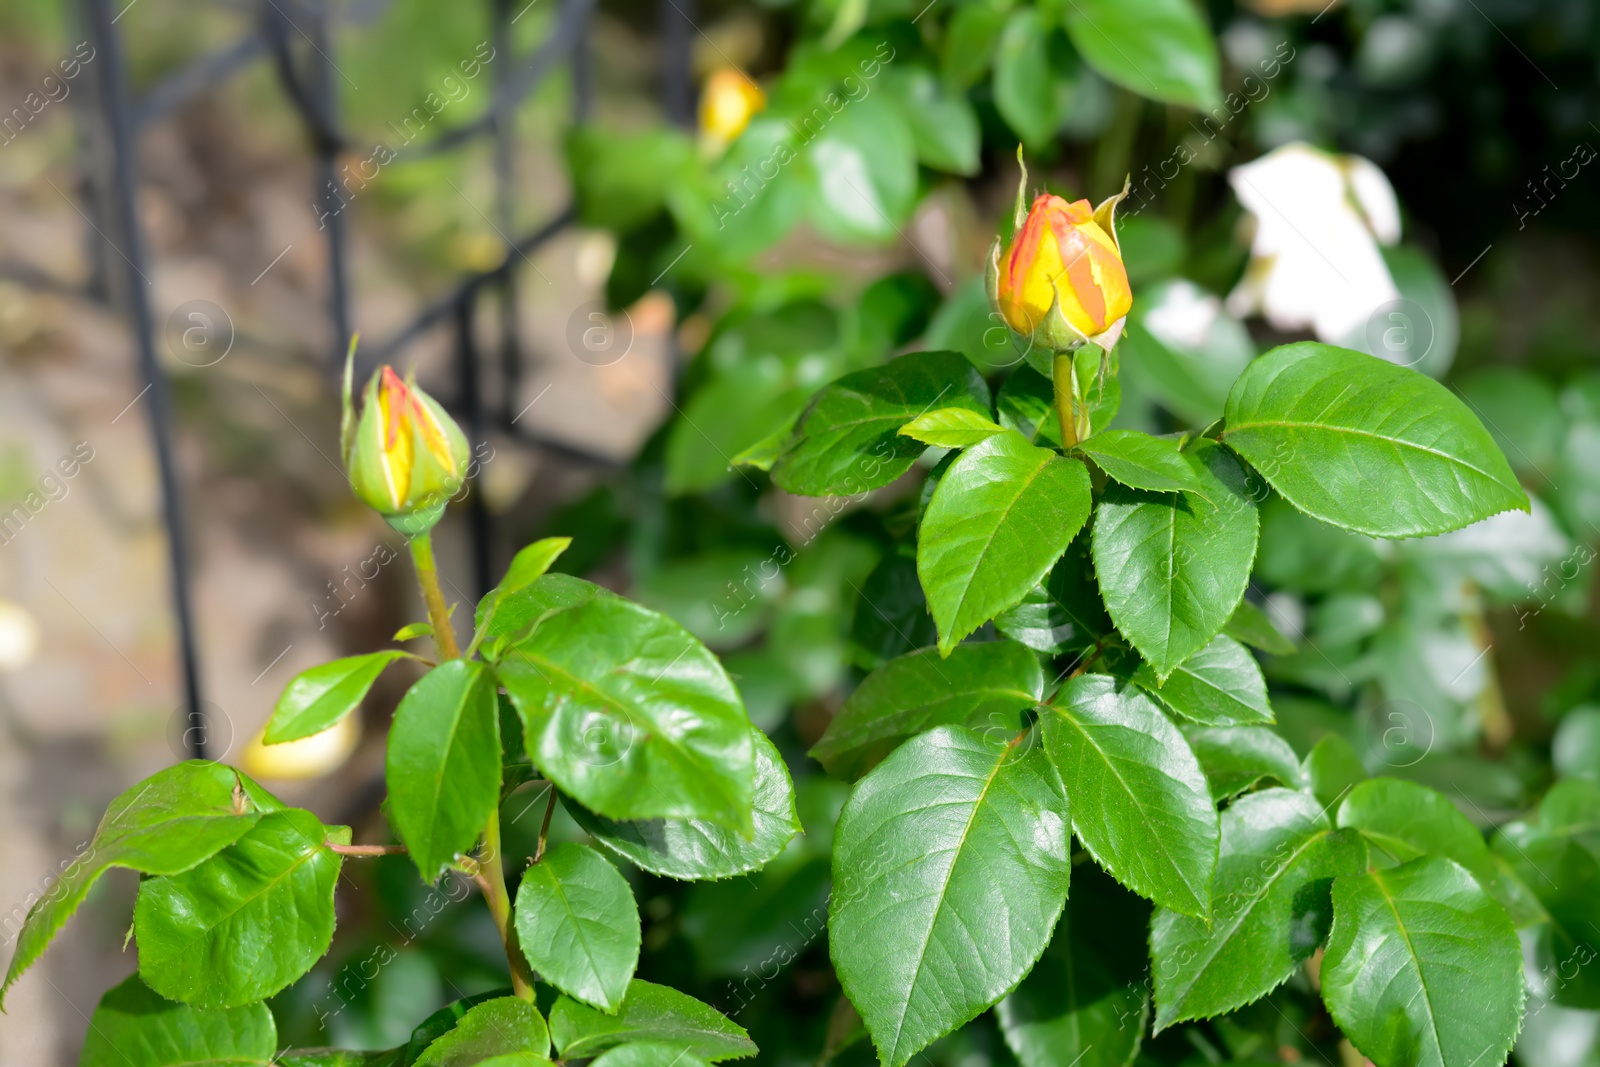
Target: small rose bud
(1062,283)
(728,102)
(405,457)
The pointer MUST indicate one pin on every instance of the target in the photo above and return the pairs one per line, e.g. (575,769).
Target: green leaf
(166,824)
(694,850)
(1360,443)
(848,440)
(492,1028)
(951,428)
(443,1021)
(245,923)
(648,1054)
(318,698)
(625,711)
(1237,757)
(864,164)
(942,122)
(515,1059)
(527,566)
(443,763)
(1221,685)
(1332,768)
(970,39)
(1064,613)
(1026,403)
(1002,515)
(986,685)
(1086,1002)
(578,925)
(133,1027)
(1024,83)
(1422,967)
(1140,803)
(1161,49)
(1172,566)
(654,1013)
(1557,856)
(1249,625)
(1279,855)
(950,867)
(1140,461)
(338,1057)
(891,614)
(413,630)
(1575,750)
(1405,820)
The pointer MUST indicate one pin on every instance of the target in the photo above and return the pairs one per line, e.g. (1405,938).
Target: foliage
(1152,684)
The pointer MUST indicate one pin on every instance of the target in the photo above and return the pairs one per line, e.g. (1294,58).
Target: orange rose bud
(1062,283)
(405,457)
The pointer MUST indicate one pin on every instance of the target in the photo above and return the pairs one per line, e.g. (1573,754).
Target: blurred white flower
(1184,317)
(19,636)
(309,757)
(1314,259)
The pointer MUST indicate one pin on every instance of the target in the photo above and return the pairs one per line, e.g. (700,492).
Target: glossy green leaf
(527,566)
(443,1021)
(494,1027)
(1423,968)
(695,850)
(848,440)
(1363,444)
(951,428)
(413,630)
(1331,769)
(318,698)
(1172,566)
(1064,613)
(443,764)
(1026,403)
(1086,1002)
(651,1013)
(1403,820)
(1249,625)
(626,712)
(1237,757)
(1140,461)
(1220,685)
(247,922)
(1002,515)
(985,685)
(1161,49)
(166,824)
(1140,803)
(133,1027)
(1278,858)
(1556,855)
(578,925)
(950,867)
(515,1059)
(648,1054)
(891,614)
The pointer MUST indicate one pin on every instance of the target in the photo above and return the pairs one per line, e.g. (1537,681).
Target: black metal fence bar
(123,150)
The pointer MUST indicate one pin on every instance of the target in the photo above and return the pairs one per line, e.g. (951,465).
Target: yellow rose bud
(728,102)
(405,457)
(1062,282)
